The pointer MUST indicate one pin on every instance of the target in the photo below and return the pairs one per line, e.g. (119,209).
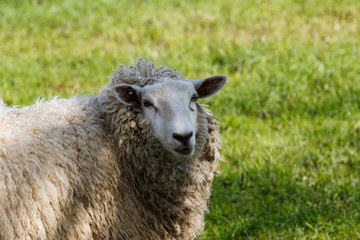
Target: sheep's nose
(183,138)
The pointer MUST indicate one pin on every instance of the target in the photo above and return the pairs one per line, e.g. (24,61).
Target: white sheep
(135,162)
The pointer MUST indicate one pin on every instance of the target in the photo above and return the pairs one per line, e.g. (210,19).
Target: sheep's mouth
(184,150)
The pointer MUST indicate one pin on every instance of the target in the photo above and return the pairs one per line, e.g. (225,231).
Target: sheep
(133,162)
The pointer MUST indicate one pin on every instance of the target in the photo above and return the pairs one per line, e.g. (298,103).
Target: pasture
(289,114)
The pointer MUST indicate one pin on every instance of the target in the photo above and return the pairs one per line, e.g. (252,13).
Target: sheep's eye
(147,103)
(192,102)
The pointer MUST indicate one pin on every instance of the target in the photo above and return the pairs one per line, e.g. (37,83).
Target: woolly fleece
(90,168)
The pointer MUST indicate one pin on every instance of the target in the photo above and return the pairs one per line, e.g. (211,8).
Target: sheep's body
(90,168)
(54,161)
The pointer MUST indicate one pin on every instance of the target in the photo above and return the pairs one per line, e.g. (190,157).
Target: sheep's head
(170,107)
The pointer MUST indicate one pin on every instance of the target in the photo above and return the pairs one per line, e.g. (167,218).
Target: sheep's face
(170,107)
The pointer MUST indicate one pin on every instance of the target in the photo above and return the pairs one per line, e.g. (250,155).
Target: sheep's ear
(209,86)
(127,94)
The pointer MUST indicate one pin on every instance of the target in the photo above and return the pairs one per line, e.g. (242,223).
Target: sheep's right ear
(127,94)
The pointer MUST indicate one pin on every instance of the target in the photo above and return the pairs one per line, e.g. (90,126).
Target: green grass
(290,113)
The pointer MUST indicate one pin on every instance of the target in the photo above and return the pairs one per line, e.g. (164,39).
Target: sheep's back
(51,173)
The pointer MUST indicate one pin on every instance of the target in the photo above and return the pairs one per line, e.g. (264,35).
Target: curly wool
(90,168)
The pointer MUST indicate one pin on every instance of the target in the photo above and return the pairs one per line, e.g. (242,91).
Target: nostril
(183,138)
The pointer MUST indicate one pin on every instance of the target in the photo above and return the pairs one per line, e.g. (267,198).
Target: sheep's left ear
(209,86)
(127,94)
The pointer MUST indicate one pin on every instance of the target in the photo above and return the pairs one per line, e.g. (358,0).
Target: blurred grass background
(289,113)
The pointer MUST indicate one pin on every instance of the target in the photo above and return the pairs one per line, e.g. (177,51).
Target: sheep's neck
(171,195)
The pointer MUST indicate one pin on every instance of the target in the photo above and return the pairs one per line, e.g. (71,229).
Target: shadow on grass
(272,203)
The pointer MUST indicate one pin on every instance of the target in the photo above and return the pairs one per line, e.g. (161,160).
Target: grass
(290,113)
